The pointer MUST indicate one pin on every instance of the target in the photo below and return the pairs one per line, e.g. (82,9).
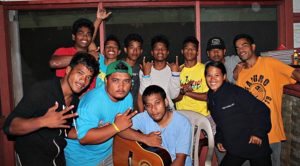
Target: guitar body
(133,153)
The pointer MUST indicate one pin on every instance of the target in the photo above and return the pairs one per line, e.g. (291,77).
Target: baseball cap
(119,66)
(215,42)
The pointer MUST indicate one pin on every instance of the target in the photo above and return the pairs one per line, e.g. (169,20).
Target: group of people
(121,96)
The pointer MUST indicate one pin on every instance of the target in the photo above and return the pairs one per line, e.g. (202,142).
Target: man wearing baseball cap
(102,113)
(216,51)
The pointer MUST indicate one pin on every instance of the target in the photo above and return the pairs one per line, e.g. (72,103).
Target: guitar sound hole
(144,163)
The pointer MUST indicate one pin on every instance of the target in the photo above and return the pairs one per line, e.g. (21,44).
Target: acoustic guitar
(133,153)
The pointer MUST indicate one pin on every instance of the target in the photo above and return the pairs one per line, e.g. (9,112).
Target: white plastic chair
(200,122)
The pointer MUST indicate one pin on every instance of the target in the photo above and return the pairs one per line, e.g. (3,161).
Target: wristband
(146,76)
(175,75)
(116,127)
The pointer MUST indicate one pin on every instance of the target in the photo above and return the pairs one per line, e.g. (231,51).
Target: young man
(102,113)
(172,128)
(265,77)
(160,72)
(40,120)
(192,80)
(83,34)
(82,31)
(110,54)
(133,48)
(216,51)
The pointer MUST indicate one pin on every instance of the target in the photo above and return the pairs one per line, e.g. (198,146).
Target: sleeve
(184,139)
(64,52)
(219,136)
(27,107)
(258,111)
(137,122)
(285,71)
(144,82)
(174,85)
(88,117)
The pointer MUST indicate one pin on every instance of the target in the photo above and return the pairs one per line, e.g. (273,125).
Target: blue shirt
(94,106)
(102,71)
(176,137)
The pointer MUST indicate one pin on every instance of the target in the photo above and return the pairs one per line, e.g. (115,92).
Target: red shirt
(70,51)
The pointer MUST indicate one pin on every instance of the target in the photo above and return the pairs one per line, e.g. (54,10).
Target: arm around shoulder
(57,62)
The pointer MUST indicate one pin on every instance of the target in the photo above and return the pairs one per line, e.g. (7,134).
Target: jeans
(231,160)
(107,162)
(275,156)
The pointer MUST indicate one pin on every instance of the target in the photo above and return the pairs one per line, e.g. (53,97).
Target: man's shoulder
(96,95)
(181,118)
(65,51)
(46,85)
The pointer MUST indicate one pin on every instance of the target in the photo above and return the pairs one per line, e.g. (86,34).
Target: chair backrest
(200,122)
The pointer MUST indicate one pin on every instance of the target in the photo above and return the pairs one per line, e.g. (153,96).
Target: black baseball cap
(215,42)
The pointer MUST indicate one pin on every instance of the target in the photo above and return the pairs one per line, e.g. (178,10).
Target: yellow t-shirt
(195,74)
(265,80)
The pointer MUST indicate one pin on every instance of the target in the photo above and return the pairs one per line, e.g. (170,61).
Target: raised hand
(146,67)
(255,140)
(153,139)
(53,119)
(174,66)
(123,121)
(102,14)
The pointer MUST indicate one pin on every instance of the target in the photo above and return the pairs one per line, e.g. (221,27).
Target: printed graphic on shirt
(191,83)
(256,86)
(100,78)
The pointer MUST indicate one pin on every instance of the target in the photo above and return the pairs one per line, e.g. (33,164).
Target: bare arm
(153,139)
(100,16)
(99,135)
(57,62)
(179,160)
(52,119)
(296,74)
(238,69)
(140,103)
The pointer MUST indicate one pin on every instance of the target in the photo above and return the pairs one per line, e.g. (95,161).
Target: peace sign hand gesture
(53,119)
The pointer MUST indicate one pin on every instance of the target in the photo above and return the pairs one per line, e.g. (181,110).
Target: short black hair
(133,37)
(82,22)
(87,60)
(190,39)
(153,89)
(112,38)
(218,65)
(243,36)
(160,39)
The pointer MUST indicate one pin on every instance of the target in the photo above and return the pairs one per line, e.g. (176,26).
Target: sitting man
(172,129)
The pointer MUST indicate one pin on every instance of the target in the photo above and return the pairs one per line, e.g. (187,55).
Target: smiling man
(110,54)
(82,31)
(264,77)
(40,120)
(102,113)
(160,72)
(162,127)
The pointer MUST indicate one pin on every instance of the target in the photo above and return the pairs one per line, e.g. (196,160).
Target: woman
(243,122)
